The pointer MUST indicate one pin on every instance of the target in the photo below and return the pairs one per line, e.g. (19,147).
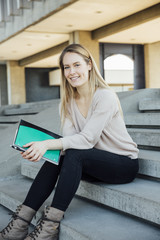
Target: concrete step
(22,111)
(145,137)
(10,119)
(149,120)
(83,220)
(149,163)
(149,104)
(5,216)
(130,99)
(140,198)
(4,126)
(29,108)
(30,169)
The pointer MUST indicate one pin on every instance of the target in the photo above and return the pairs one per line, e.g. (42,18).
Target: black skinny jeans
(92,164)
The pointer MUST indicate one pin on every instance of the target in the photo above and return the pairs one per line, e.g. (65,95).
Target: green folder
(28,132)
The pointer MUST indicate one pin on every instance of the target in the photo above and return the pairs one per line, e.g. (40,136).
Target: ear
(89,65)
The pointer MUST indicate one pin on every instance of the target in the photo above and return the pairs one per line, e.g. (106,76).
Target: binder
(28,132)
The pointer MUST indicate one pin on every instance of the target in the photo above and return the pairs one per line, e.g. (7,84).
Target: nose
(72,70)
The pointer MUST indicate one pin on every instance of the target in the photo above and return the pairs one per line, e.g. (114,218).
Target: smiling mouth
(74,78)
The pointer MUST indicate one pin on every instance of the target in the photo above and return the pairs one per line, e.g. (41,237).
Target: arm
(105,107)
(37,149)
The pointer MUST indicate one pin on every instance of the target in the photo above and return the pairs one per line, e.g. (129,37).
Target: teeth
(74,78)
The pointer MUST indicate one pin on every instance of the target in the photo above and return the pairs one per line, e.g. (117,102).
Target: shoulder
(105,100)
(104,94)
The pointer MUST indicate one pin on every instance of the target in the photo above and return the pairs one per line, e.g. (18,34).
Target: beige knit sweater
(103,128)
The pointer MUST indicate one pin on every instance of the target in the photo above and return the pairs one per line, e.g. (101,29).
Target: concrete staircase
(12,114)
(101,211)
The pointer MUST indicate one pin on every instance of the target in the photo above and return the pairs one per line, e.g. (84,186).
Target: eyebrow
(68,64)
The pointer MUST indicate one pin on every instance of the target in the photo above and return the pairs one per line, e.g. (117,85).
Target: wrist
(55,144)
(46,144)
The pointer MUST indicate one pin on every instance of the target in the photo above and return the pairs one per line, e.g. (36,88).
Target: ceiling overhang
(44,54)
(123,21)
(138,19)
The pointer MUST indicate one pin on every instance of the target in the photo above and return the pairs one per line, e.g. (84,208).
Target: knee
(73,156)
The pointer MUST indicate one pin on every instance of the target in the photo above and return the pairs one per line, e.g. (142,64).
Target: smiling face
(76,70)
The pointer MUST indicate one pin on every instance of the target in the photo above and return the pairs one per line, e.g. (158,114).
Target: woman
(95,145)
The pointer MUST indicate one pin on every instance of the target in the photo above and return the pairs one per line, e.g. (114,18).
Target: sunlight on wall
(118,61)
(119,72)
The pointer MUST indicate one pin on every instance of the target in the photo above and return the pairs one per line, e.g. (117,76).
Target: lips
(74,78)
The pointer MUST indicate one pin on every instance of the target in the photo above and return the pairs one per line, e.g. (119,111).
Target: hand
(35,151)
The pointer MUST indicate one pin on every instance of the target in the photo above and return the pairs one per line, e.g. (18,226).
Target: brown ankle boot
(17,229)
(48,226)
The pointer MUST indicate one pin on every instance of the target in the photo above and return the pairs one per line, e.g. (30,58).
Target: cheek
(86,74)
(65,74)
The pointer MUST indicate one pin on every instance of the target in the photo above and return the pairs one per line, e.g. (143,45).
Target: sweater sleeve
(104,108)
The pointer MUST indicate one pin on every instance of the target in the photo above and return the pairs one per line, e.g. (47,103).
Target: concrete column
(84,38)
(139,75)
(3,85)
(152,65)
(15,83)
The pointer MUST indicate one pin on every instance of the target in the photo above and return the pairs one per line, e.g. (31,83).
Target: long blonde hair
(95,79)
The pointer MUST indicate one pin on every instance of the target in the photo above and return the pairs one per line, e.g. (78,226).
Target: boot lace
(12,219)
(39,227)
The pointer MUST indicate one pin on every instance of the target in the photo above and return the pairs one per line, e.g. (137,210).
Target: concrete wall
(152,65)
(37,85)
(119,76)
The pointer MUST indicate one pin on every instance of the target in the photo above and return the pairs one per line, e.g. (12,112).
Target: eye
(77,65)
(66,67)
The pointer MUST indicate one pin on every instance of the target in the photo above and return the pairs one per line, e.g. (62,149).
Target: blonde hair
(95,79)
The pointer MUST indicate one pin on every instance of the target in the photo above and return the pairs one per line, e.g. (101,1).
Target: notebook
(28,132)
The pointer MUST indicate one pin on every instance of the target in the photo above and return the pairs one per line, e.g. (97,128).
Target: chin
(76,85)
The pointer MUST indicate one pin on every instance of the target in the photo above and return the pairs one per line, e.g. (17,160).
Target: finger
(28,151)
(38,158)
(28,144)
(34,158)
(29,155)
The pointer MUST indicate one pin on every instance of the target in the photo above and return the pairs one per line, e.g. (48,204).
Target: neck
(84,91)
